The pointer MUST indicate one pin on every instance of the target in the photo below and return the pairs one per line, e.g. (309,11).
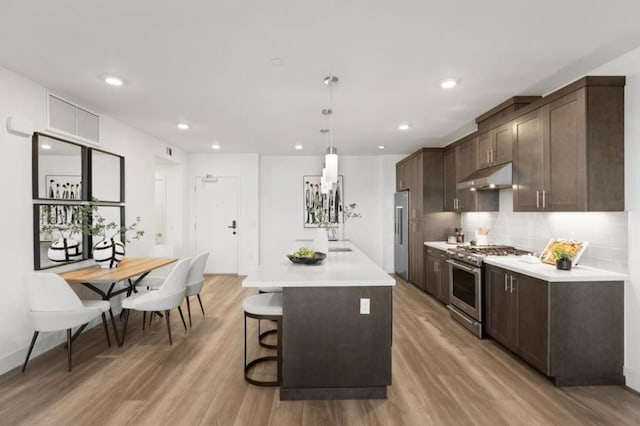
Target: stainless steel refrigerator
(401,234)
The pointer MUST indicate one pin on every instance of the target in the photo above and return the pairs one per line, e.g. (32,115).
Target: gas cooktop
(475,254)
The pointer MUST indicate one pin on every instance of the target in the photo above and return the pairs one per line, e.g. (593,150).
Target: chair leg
(124,326)
(151,317)
(188,310)
(201,307)
(69,343)
(106,328)
(166,317)
(144,319)
(182,317)
(115,328)
(33,343)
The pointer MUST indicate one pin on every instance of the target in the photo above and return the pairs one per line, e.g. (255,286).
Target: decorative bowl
(317,258)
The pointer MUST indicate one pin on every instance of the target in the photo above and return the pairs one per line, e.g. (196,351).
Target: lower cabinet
(517,314)
(572,332)
(437,274)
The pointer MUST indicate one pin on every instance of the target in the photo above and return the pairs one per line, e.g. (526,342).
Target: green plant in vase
(563,254)
(109,250)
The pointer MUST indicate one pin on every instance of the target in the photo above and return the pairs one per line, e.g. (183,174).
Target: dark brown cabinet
(517,312)
(569,153)
(467,200)
(437,274)
(401,182)
(528,162)
(423,173)
(450,191)
(572,332)
(495,146)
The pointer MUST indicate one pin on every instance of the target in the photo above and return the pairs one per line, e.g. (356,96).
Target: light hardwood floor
(442,375)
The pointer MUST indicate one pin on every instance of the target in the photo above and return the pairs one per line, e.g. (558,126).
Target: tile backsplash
(606,232)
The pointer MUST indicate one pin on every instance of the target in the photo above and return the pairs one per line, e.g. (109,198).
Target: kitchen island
(336,326)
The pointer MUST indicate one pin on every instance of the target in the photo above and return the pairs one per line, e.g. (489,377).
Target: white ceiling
(207,62)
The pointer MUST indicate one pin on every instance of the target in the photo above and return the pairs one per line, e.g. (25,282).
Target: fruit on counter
(304,252)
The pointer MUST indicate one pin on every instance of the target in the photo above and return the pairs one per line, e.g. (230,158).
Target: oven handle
(463,267)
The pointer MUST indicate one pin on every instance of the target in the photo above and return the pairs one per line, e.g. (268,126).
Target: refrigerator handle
(399,225)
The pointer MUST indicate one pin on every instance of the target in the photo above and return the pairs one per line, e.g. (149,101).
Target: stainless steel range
(466,282)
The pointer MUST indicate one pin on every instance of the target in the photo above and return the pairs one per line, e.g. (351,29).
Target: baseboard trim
(633,379)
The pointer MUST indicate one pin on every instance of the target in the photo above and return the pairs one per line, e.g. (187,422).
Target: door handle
(233,225)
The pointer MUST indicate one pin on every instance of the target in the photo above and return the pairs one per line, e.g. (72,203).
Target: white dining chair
(168,296)
(195,281)
(54,306)
(159,275)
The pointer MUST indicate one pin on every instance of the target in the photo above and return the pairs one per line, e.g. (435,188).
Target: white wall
(176,198)
(245,166)
(369,181)
(25,99)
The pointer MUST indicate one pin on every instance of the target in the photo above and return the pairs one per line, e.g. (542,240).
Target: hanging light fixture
(331,158)
(325,186)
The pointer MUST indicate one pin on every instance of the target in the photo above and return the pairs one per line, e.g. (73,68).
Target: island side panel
(328,345)
(587,333)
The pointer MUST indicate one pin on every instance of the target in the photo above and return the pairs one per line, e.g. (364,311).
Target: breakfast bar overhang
(331,347)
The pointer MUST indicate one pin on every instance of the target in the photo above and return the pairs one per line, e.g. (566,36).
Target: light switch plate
(365,306)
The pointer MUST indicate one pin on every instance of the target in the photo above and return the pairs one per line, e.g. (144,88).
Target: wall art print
(317,205)
(63,187)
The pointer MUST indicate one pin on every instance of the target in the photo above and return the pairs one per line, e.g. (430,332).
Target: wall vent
(68,119)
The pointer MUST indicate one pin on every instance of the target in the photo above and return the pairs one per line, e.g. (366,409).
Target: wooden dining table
(130,271)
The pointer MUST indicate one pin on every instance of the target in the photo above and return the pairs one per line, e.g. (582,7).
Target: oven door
(465,288)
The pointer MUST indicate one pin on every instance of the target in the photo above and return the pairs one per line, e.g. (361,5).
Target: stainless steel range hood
(495,177)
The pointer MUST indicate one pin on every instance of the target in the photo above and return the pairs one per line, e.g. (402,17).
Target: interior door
(161,210)
(216,222)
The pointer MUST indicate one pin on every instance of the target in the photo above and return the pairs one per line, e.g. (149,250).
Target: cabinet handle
(544,199)
(488,157)
(537,199)
(511,284)
(505,282)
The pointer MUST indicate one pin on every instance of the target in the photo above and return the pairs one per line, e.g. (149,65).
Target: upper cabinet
(495,146)
(401,181)
(450,201)
(569,153)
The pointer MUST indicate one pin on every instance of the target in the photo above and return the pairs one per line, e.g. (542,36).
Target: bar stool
(267,306)
(263,334)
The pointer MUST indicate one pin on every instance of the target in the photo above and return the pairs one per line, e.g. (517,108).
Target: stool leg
(279,335)
(245,341)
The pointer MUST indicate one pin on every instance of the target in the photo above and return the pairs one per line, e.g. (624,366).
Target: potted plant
(563,254)
(109,250)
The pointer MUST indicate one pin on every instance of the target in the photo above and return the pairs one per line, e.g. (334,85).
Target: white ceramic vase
(64,250)
(321,241)
(108,253)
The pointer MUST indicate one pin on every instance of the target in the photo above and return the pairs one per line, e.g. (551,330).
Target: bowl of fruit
(306,256)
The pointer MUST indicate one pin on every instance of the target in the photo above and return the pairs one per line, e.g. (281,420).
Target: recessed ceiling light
(113,80)
(45,146)
(448,83)
(381,146)
(298,147)
(404,126)
(215,146)
(182,126)
(276,62)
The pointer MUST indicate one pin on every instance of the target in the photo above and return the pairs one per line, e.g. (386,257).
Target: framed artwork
(63,187)
(547,255)
(316,205)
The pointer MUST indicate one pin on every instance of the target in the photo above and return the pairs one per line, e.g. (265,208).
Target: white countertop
(549,273)
(339,269)
(440,245)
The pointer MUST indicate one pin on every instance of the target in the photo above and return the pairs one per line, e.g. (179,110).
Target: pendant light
(331,158)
